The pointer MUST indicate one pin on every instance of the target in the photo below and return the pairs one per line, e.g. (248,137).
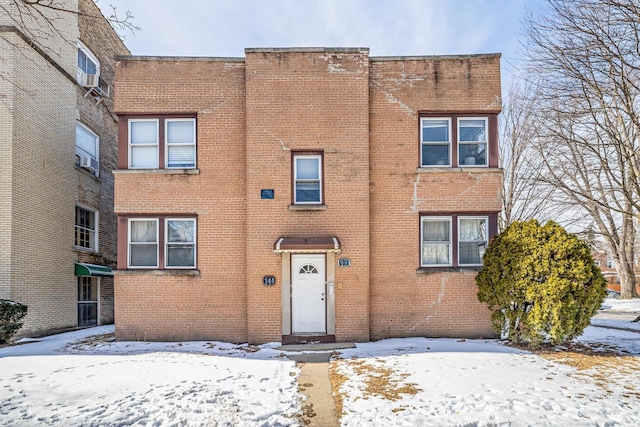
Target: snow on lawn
(84,378)
(445,382)
(53,382)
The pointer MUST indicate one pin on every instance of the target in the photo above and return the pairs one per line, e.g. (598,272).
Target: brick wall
(212,304)
(405,302)
(308,100)
(97,192)
(40,183)
(252,114)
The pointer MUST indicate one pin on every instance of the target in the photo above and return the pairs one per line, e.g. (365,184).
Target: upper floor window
(161,243)
(611,263)
(457,141)
(164,142)
(88,65)
(87,146)
(307,179)
(86,228)
(454,240)
(472,142)
(436,142)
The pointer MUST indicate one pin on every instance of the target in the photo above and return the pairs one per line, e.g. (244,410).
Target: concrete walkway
(319,409)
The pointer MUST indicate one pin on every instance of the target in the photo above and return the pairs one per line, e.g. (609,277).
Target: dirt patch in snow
(378,380)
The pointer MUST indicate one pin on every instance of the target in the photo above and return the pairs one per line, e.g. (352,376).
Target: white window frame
(96,219)
(129,243)
(485,142)
(486,241)
(317,157)
(611,263)
(449,143)
(89,55)
(427,218)
(83,153)
(166,243)
(167,144)
(132,146)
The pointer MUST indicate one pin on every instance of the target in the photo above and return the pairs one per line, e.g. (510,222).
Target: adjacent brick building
(304,194)
(57,149)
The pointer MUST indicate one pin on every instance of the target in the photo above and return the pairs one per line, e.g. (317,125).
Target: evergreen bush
(541,284)
(11,315)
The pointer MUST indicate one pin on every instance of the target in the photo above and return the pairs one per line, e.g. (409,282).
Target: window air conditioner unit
(89,163)
(90,80)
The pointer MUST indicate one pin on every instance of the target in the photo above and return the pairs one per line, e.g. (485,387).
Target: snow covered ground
(80,379)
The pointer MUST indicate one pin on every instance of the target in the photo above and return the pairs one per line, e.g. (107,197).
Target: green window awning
(83,269)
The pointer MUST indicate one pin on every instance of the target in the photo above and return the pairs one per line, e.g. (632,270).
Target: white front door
(308,299)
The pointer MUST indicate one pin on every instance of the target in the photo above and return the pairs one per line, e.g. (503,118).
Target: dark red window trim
(123,135)
(492,123)
(493,230)
(123,240)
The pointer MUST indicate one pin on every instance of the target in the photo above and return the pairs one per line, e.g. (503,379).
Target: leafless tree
(524,194)
(584,60)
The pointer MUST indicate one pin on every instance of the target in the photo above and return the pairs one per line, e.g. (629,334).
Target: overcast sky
(224,28)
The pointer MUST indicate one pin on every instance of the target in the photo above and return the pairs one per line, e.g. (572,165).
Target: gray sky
(224,28)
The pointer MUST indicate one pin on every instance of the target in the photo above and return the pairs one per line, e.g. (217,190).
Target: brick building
(304,194)
(57,149)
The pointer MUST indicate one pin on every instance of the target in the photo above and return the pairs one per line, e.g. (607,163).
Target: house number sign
(344,262)
(269,280)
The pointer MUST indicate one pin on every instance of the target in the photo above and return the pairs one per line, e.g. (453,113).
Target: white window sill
(86,250)
(157,171)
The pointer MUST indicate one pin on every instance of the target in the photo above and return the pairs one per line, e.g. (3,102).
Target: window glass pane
(180,255)
(144,157)
(86,140)
(469,252)
(472,130)
(180,231)
(82,60)
(435,130)
(180,132)
(307,168)
(91,67)
(181,156)
(472,154)
(144,132)
(307,192)
(435,254)
(435,154)
(143,231)
(143,255)
(473,230)
(435,231)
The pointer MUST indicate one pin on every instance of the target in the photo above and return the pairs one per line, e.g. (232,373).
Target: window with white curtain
(436,241)
(453,240)
(161,243)
(181,243)
(143,243)
(472,240)
(162,143)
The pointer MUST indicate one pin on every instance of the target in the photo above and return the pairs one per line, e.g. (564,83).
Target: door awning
(306,245)
(83,269)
